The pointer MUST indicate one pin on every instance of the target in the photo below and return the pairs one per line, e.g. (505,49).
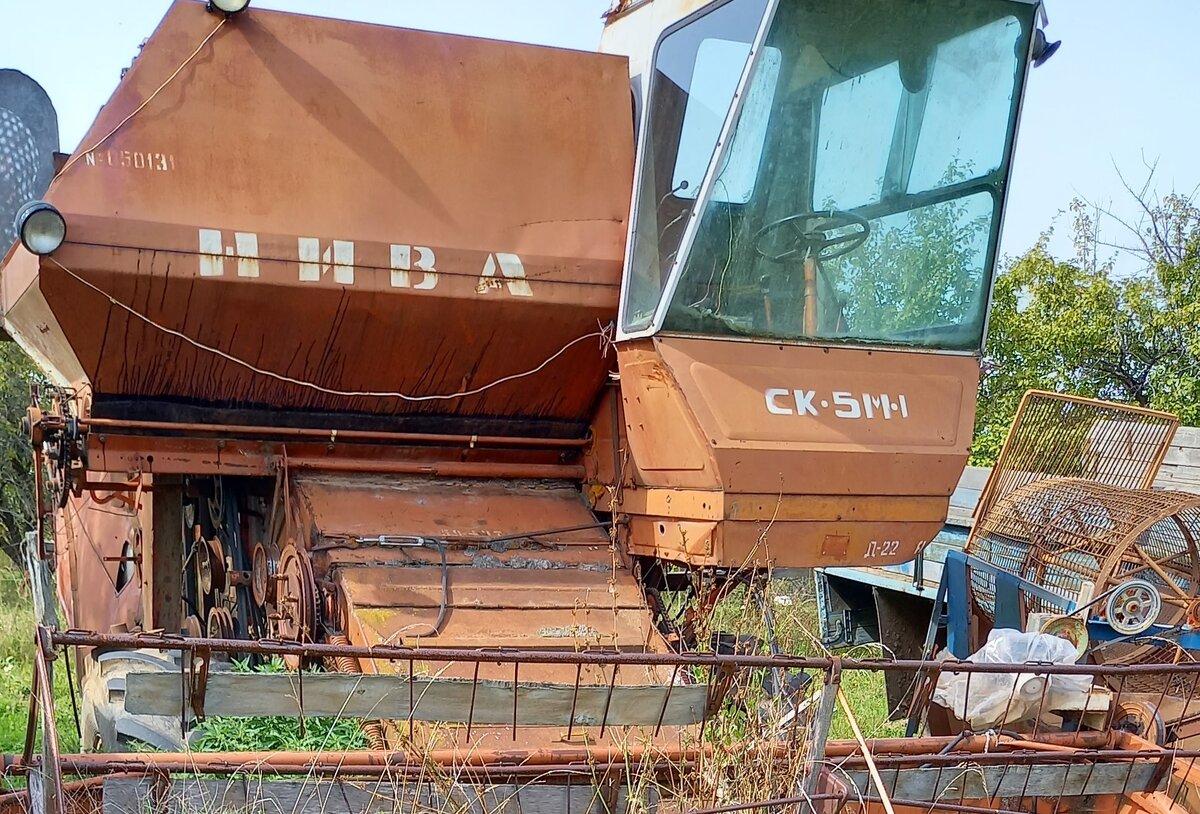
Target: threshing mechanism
(455,363)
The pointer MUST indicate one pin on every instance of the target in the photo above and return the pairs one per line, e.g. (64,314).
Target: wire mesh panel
(1059,436)
(28,139)
(1061,533)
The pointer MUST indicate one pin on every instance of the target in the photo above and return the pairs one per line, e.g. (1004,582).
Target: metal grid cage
(1060,436)
(1060,533)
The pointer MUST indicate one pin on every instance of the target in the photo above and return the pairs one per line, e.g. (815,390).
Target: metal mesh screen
(1060,533)
(28,139)
(18,170)
(1059,436)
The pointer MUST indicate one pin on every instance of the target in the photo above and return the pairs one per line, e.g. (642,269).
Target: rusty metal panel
(524,628)
(799,445)
(392,211)
(364,505)
(526,565)
(91,538)
(498,589)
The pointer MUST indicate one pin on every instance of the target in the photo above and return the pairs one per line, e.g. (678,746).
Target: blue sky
(1121,92)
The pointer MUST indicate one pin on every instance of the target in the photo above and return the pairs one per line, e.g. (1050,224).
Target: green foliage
(1078,326)
(16,668)
(278,733)
(17,507)
(794,614)
(919,269)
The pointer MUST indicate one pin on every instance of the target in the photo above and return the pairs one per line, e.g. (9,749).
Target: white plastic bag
(999,698)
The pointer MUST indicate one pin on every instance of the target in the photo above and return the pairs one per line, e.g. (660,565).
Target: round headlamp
(228,6)
(41,227)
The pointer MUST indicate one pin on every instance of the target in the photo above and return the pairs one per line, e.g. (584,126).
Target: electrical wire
(436,628)
(604,334)
(416,541)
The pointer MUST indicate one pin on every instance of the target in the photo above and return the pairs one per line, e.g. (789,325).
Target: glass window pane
(873,212)
(664,202)
(857,120)
(970,94)
(719,66)
(873,294)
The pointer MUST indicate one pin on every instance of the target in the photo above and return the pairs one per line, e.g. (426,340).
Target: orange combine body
(355,335)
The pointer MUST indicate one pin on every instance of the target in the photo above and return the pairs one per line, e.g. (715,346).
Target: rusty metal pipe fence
(1019,763)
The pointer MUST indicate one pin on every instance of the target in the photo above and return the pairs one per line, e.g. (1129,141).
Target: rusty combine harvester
(453,367)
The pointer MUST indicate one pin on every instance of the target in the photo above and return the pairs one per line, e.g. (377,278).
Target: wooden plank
(974,477)
(1185,479)
(1187,437)
(1179,469)
(960,517)
(1183,456)
(987,782)
(440,699)
(133,795)
(162,556)
(965,497)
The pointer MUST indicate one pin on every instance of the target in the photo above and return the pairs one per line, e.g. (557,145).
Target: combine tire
(104,724)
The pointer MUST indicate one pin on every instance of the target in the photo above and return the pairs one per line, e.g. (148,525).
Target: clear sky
(1123,89)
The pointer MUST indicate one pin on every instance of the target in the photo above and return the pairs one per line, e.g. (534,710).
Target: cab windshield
(859,197)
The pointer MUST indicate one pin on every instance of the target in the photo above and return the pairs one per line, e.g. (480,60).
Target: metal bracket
(198,680)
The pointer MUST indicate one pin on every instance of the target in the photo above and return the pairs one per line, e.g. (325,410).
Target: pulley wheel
(296,596)
(1193,613)
(262,573)
(220,624)
(1133,607)
(1142,719)
(217,564)
(192,627)
(204,576)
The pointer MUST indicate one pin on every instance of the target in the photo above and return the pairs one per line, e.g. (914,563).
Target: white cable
(80,153)
(604,334)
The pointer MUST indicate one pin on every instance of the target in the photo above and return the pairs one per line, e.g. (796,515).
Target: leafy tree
(1080,327)
(17,504)
(945,241)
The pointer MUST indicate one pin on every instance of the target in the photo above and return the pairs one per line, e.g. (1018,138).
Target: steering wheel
(808,234)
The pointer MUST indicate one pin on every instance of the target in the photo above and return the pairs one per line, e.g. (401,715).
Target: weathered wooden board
(133,795)
(966,495)
(441,699)
(951,784)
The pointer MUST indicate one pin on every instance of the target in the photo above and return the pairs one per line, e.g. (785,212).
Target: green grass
(16,668)
(796,629)
(278,734)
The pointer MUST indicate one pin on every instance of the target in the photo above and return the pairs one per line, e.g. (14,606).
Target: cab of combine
(807,277)
(819,197)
